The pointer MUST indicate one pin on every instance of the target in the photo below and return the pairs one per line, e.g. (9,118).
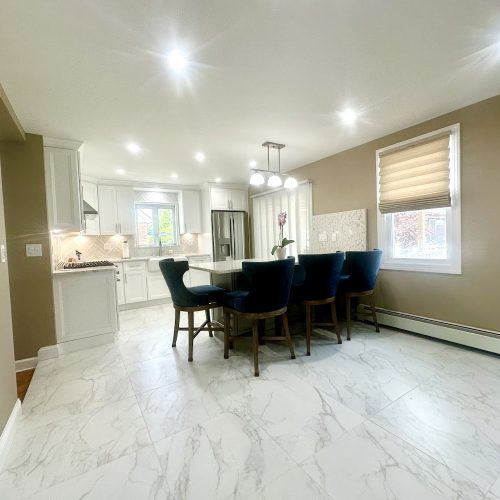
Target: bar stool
(362,268)
(322,273)
(190,300)
(267,297)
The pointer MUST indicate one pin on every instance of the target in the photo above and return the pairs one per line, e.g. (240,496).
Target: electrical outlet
(334,236)
(323,236)
(34,250)
(3,253)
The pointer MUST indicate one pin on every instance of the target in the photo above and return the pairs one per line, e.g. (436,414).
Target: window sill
(422,267)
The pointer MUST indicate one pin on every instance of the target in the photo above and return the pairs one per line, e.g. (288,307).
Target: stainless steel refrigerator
(230,235)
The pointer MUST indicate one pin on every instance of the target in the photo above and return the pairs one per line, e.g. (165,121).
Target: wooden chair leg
(176,327)
(374,313)
(308,328)
(227,332)
(288,337)
(335,322)
(190,334)
(348,315)
(209,324)
(255,333)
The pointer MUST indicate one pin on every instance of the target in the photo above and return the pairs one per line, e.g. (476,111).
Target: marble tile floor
(385,416)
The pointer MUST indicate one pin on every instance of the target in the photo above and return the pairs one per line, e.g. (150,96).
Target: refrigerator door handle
(231,234)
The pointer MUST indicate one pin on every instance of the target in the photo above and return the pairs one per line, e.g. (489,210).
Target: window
(418,194)
(266,207)
(155,222)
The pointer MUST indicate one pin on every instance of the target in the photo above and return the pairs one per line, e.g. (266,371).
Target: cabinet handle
(118,279)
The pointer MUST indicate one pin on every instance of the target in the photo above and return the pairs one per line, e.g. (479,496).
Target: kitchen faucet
(159,248)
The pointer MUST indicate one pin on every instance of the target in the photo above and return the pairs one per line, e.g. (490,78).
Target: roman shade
(415,177)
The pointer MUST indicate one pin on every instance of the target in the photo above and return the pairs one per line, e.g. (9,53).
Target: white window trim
(176,223)
(452,265)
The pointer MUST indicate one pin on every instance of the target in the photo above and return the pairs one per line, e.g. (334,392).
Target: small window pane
(166,225)
(145,226)
(156,222)
(420,234)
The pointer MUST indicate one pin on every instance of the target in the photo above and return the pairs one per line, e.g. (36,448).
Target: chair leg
(176,327)
(308,328)
(374,313)
(209,324)
(348,315)
(227,332)
(191,334)
(335,322)
(288,337)
(262,329)
(255,333)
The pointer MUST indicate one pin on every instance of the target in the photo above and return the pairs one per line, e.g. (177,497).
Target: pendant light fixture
(274,178)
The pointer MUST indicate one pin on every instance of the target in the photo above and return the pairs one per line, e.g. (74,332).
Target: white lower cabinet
(85,304)
(120,286)
(157,288)
(134,281)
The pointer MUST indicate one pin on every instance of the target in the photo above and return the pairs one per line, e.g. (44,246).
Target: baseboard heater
(486,340)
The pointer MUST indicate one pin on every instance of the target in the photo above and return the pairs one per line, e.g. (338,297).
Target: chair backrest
(363,269)
(270,284)
(173,272)
(322,273)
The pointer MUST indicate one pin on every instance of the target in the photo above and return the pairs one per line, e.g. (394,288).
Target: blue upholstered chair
(190,300)
(267,297)
(362,270)
(322,273)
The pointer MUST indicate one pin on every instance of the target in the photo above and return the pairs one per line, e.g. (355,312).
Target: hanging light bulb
(257,179)
(274,181)
(291,183)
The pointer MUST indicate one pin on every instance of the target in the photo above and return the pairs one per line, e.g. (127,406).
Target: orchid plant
(282,242)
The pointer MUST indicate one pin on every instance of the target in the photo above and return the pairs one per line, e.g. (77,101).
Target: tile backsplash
(110,247)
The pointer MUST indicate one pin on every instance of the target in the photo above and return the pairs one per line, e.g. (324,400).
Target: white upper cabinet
(116,209)
(189,212)
(228,199)
(62,183)
(89,194)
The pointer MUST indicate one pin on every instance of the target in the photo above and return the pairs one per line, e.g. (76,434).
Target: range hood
(88,209)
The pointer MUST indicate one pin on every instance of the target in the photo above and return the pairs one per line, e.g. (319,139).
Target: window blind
(297,204)
(416,177)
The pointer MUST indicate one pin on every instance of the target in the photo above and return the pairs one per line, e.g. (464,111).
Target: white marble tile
(132,477)
(226,457)
(454,419)
(494,493)
(44,456)
(138,348)
(370,463)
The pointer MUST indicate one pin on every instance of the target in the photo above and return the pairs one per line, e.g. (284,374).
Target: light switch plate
(334,236)
(34,250)
(3,253)
(323,236)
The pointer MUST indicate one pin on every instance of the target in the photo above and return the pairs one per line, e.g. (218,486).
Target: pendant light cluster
(272,178)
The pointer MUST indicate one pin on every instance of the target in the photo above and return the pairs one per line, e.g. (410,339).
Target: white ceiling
(276,70)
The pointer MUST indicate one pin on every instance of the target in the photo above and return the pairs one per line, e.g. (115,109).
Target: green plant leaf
(286,242)
(275,247)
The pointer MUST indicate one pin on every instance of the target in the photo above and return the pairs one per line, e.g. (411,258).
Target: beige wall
(26,222)
(8,393)
(346,181)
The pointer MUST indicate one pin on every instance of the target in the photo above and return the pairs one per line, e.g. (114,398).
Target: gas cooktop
(90,263)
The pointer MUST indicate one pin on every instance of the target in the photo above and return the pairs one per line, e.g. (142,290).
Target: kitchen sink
(153,262)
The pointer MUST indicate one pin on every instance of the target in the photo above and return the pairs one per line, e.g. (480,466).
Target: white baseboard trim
(26,364)
(485,340)
(87,343)
(49,352)
(7,434)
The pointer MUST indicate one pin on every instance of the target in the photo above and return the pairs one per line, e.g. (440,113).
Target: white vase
(281,253)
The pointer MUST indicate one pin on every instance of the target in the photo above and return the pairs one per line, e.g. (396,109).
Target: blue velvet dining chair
(267,297)
(190,300)
(361,268)
(322,274)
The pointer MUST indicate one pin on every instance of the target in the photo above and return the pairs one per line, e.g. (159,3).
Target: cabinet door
(135,286)
(238,199)
(157,288)
(219,199)
(125,208)
(120,288)
(191,212)
(107,210)
(62,181)
(89,192)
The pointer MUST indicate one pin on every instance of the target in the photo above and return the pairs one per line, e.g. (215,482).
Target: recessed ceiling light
(174,176)
(252,163)
(200,157)
(348,116)
(177,60)
(218,179)
(120,171)
(133,148)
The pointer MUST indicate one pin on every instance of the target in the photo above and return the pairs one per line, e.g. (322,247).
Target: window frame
(451,265)
(157,206)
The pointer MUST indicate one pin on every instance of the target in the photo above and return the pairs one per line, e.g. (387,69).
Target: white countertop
(224,267)
(84,270)
(173,256)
